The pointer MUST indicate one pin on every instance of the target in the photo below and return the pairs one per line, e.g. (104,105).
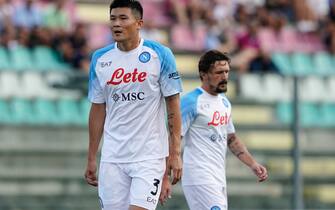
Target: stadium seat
(153,8)
(46,59)
(310,89)
(103,38)
(4,59)
(252,115)
(22,111)
(5,114)
(68,110)
(268,140)
(323,63)
(274,88)
(21,58)
(10,85)
(187,64)
(267,40)
(45,112)
(327,114)
(330,85)
(284,113)
(35,86)
(185,38)
(302,64)
(288,40)
(251,87)
(283,62)
(84,107)
(309,114)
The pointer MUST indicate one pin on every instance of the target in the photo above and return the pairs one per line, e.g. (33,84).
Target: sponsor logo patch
(131,96)
(174,75)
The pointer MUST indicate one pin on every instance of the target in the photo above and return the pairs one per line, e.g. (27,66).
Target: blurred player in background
(208,130)
(130,83)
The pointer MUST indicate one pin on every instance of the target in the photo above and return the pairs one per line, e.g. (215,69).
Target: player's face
(124,25)
(217,77)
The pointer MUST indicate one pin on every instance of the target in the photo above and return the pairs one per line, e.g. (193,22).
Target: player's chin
(221,90)
(118,38)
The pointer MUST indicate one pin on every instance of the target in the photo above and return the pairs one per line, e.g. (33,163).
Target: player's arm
(174,125)
(237,147)
(166,187)
(95,128)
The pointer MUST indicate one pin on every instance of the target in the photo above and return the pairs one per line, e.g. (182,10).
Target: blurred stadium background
(44,58)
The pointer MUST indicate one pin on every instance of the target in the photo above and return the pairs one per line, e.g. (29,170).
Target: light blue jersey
(206,123)
(133,85)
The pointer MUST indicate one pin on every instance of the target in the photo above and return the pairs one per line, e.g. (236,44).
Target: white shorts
(206,197)
(125,184)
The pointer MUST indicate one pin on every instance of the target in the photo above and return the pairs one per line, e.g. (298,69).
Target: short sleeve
(95,91)
(230,126)
(189,110)
(170,80)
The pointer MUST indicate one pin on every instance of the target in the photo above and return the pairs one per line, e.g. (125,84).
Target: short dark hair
(208,59)
(134,5)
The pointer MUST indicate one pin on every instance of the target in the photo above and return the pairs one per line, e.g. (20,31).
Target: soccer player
(208,130)
(132,83)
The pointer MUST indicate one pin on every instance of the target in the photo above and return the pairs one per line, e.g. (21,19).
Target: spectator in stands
(6,14)
(56,17)
(208,130)
(133,82)
(150,31)
(28,15)
(248,47)
(23,37)
(7,38)
(282,7)
(263,64)
(328,29)
(81,50)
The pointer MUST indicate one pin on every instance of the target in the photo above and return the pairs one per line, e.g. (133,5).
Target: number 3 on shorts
(156,184)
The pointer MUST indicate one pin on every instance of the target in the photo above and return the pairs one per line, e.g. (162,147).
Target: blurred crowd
(250,30)
(32,23)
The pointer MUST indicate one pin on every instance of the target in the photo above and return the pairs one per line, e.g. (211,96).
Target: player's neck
(208,90)
(129,45)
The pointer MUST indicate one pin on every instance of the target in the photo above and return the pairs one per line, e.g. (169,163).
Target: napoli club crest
(144,57)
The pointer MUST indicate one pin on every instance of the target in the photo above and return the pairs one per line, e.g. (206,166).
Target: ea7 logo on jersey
(106,64)
(119,77)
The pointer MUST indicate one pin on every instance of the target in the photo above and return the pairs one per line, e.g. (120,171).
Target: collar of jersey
(131,51)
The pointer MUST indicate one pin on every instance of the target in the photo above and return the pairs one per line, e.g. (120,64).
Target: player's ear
(203,75)
(139,24)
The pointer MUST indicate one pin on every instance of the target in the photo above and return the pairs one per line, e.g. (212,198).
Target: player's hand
(175,166)
(90,174)
(260,171)
(166,190)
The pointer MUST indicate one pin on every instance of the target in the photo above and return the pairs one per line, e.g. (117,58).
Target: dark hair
(134,5)
(208,59)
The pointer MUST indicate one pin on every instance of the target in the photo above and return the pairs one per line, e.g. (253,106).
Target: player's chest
(126,71)
(213,114)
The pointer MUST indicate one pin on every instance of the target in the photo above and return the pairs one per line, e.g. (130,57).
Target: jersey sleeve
(188,112)
(230,126)
(169,80)
(95,91)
